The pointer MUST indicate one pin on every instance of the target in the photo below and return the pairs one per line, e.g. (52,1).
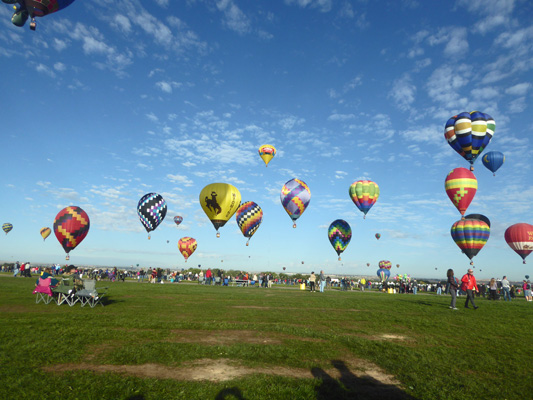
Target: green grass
(294,341)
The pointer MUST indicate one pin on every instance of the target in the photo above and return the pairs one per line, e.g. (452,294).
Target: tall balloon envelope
(468,133)
(219,202)
(470,235)
(71,226)
(249,217)
(383,274)
(461,187)
(267,153)
(339,234)
(364,195)
(7,227)
(493,160)
(152,209)
(187,246)
(45,232)
(519,237)
(295,197)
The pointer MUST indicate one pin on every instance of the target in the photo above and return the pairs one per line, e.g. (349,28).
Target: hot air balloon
(469,133)
(219,202)
(479,216)
(7,227)
(35,8)
(364,194)
(520,238)
(295,197)
(397,265)
(339,234)
(368,264)
(187,246)
(461,187)
(178,220)
(267,153)
(527,276)
(384,264)
(249,217)
(71,225)
(152,209)
(45,232)
(283,268)
(493,160)
(470,235)
(383,274)
(378,235)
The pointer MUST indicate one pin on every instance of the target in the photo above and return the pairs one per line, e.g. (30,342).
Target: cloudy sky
(108,100)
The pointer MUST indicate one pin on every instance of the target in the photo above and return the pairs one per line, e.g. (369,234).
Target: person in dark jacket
(453,286)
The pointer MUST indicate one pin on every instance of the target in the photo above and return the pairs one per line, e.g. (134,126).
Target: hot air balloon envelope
(45,232)
(267,153)
(187,246)
(295,197)
(71,226)
(249,217)
(7,227)
(519,237)
(339,234)
(364,194)
(470,235)
(461,187)
(152,209)
(493,160)
(219,202)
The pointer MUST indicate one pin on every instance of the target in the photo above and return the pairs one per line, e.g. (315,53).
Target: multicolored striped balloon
(519,237)
(71,226)
(470,235)
(7,227)
(152,209)
(295,197)
(364,194)
(384,264)
(468,133)
(461,187)
(187,246)
(178,220)
(339,234)
(383,274)
(249,216)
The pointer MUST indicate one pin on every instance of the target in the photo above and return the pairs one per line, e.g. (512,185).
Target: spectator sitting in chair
(47,273)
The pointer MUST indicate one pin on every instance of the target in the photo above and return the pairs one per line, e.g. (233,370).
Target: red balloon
(461,187)
(520,238)
(70,227)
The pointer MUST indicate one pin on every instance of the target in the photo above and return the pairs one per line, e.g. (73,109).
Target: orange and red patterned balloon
(461,187)
(187,246)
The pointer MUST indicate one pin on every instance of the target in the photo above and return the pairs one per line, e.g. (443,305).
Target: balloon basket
(218,234)
(294,225)
(302,286)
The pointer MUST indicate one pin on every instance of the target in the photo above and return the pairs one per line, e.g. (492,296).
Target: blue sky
(109,100)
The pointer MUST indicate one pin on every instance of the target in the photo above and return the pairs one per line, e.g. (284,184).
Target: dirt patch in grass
(221,370)
(15,308)
(229,337)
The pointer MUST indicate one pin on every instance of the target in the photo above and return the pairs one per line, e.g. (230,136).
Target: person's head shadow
(233,393)
(350,386)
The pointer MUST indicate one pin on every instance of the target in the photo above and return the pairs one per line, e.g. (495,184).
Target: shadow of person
(350,386)
(229,394)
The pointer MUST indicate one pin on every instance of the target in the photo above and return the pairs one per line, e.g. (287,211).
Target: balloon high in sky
(219,202)
(25,9)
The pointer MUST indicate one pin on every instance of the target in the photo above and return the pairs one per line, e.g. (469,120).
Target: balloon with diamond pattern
(249,216)
(339,234)
(152,209)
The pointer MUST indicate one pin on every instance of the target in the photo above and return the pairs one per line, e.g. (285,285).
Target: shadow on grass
(349,386)
(229,393)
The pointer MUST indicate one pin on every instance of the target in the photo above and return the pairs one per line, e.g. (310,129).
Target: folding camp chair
(65,292)
(43,291)
(89,294)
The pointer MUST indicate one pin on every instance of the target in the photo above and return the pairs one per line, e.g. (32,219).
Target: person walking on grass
(452,288)
(493,289)
(506,289)
(322,278)
(468,285)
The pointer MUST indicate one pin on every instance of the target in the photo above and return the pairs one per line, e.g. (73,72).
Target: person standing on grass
(527,290)
(312,281)
(322,279)
(439,288)
(452,288)
(468,285)
(506,289)
(493,288)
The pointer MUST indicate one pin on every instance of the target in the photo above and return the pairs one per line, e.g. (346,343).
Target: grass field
(189,341)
